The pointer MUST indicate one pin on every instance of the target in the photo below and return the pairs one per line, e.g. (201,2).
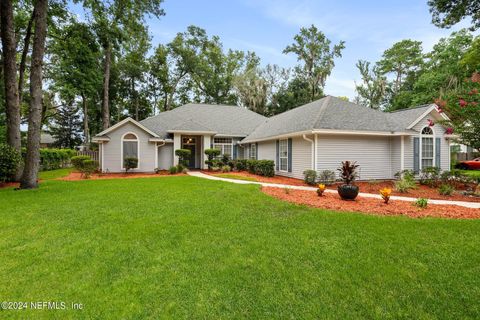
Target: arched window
(427,147)
(130,147)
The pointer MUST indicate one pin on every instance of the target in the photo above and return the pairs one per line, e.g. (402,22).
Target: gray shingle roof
(337,114)
(222,119)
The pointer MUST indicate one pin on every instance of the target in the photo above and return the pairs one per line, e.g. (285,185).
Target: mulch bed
(9,184)
(371,206)
(74,176)
(366,187)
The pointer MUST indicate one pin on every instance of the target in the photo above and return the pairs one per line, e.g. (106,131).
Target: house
(318,136)
(46,140)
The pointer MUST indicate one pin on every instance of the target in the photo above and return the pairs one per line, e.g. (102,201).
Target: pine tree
(67,127)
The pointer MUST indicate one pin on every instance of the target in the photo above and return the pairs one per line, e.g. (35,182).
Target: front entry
(189,143)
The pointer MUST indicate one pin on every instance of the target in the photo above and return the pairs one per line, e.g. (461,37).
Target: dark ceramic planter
(348,191)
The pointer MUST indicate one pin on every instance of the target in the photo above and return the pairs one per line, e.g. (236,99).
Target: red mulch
(74,176)
(9,184)
(371,206)
(366,187)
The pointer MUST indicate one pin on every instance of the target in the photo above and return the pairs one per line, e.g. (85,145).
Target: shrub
(403,185)
(251,165)
(183,156)
(265,168)
(241,164)
(386,193)
(172,170)
(77,161)
(215,168)
(211,155)
(10,160)
(180,168)
(430,176)
(326,177)
(405,174)
(89,167)
(225,159)
(130,163)
(226,169)
(348,171)
(421,203)
(445,189)
(310,177)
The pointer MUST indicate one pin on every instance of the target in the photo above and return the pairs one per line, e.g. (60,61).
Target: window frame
(252,154)
(221,146)
(280,157)
(431,137)
(122,140)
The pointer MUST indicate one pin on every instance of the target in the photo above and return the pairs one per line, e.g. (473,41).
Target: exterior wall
(396,154)
(266,150)
(439,132)
(112,150)
(372,153)
(165,158)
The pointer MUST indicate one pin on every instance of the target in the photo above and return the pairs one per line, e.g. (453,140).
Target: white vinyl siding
(165,159)
(373,154)
(112,150)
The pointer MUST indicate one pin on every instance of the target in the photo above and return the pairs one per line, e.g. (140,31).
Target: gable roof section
(124,121)
(328,113)
(220,119)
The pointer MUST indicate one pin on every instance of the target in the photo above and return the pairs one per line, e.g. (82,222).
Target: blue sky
(267,26)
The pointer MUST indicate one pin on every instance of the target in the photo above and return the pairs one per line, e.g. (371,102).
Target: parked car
(470,164)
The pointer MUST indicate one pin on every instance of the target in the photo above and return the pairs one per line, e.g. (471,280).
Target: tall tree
(314,49)
(113,20)
(10,76)
(371,92)
(446,13)
(401,60)
(66,127)
(32,159)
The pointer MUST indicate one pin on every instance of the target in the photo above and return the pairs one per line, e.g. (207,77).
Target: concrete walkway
(466,204)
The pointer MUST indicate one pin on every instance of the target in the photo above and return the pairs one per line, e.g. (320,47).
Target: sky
(268,26)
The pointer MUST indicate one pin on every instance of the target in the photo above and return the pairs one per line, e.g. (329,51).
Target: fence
(91,154)
(463,156)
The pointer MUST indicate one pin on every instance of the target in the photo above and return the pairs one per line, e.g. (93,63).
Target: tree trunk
(32,159)
(10,78)
(135,98)
(106,87)
(23,61)
(86,131)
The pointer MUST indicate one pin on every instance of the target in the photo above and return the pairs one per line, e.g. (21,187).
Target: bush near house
(261,167)
(241,164)
(130,163)
(430,176)
(10,160)
(211,155)
(183,156)
(52,159)
(406,181)
(310,177)
(326,177)
(85,165)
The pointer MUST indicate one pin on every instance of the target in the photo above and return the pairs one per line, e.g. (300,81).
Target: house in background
(317,136)
(46,140)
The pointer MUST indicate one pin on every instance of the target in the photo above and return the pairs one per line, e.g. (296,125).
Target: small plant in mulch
(446,190)
(421,203)
(386,193)
(287,190)
(321,189)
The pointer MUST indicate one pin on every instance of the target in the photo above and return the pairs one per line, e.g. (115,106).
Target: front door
(189,143)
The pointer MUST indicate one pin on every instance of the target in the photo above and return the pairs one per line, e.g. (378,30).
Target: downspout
(313,150)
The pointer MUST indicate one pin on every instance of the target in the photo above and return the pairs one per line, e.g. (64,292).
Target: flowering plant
(321,189)
(386,193)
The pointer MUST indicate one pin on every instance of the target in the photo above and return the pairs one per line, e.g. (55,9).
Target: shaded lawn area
(183,247)
(471,173)
(54,174)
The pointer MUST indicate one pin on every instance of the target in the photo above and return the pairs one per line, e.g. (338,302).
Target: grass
(471,173)
(235,177)
(55,174)
(183,247)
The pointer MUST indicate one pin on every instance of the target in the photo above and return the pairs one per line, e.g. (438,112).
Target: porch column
(177,144)
(206,141)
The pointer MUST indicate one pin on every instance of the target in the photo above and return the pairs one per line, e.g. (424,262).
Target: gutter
(314,154)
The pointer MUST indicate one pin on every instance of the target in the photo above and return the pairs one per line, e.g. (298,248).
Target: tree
(67,127)
(371,92)
(114,21)
(462,105)
(446,13)
(313,48)
(32,158)
(402,59)
(12,102)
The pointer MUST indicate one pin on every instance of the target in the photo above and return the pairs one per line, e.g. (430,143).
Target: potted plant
(348,173)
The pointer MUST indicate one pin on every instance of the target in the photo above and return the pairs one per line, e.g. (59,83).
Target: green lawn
(471,173)
(55,174)
(183,247)
(235,177)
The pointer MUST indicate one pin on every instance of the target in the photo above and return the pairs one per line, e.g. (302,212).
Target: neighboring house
(317,136)
(46,140)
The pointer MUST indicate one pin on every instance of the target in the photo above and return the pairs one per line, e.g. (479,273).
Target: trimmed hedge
(10,160)
(261,167)
(51,159)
